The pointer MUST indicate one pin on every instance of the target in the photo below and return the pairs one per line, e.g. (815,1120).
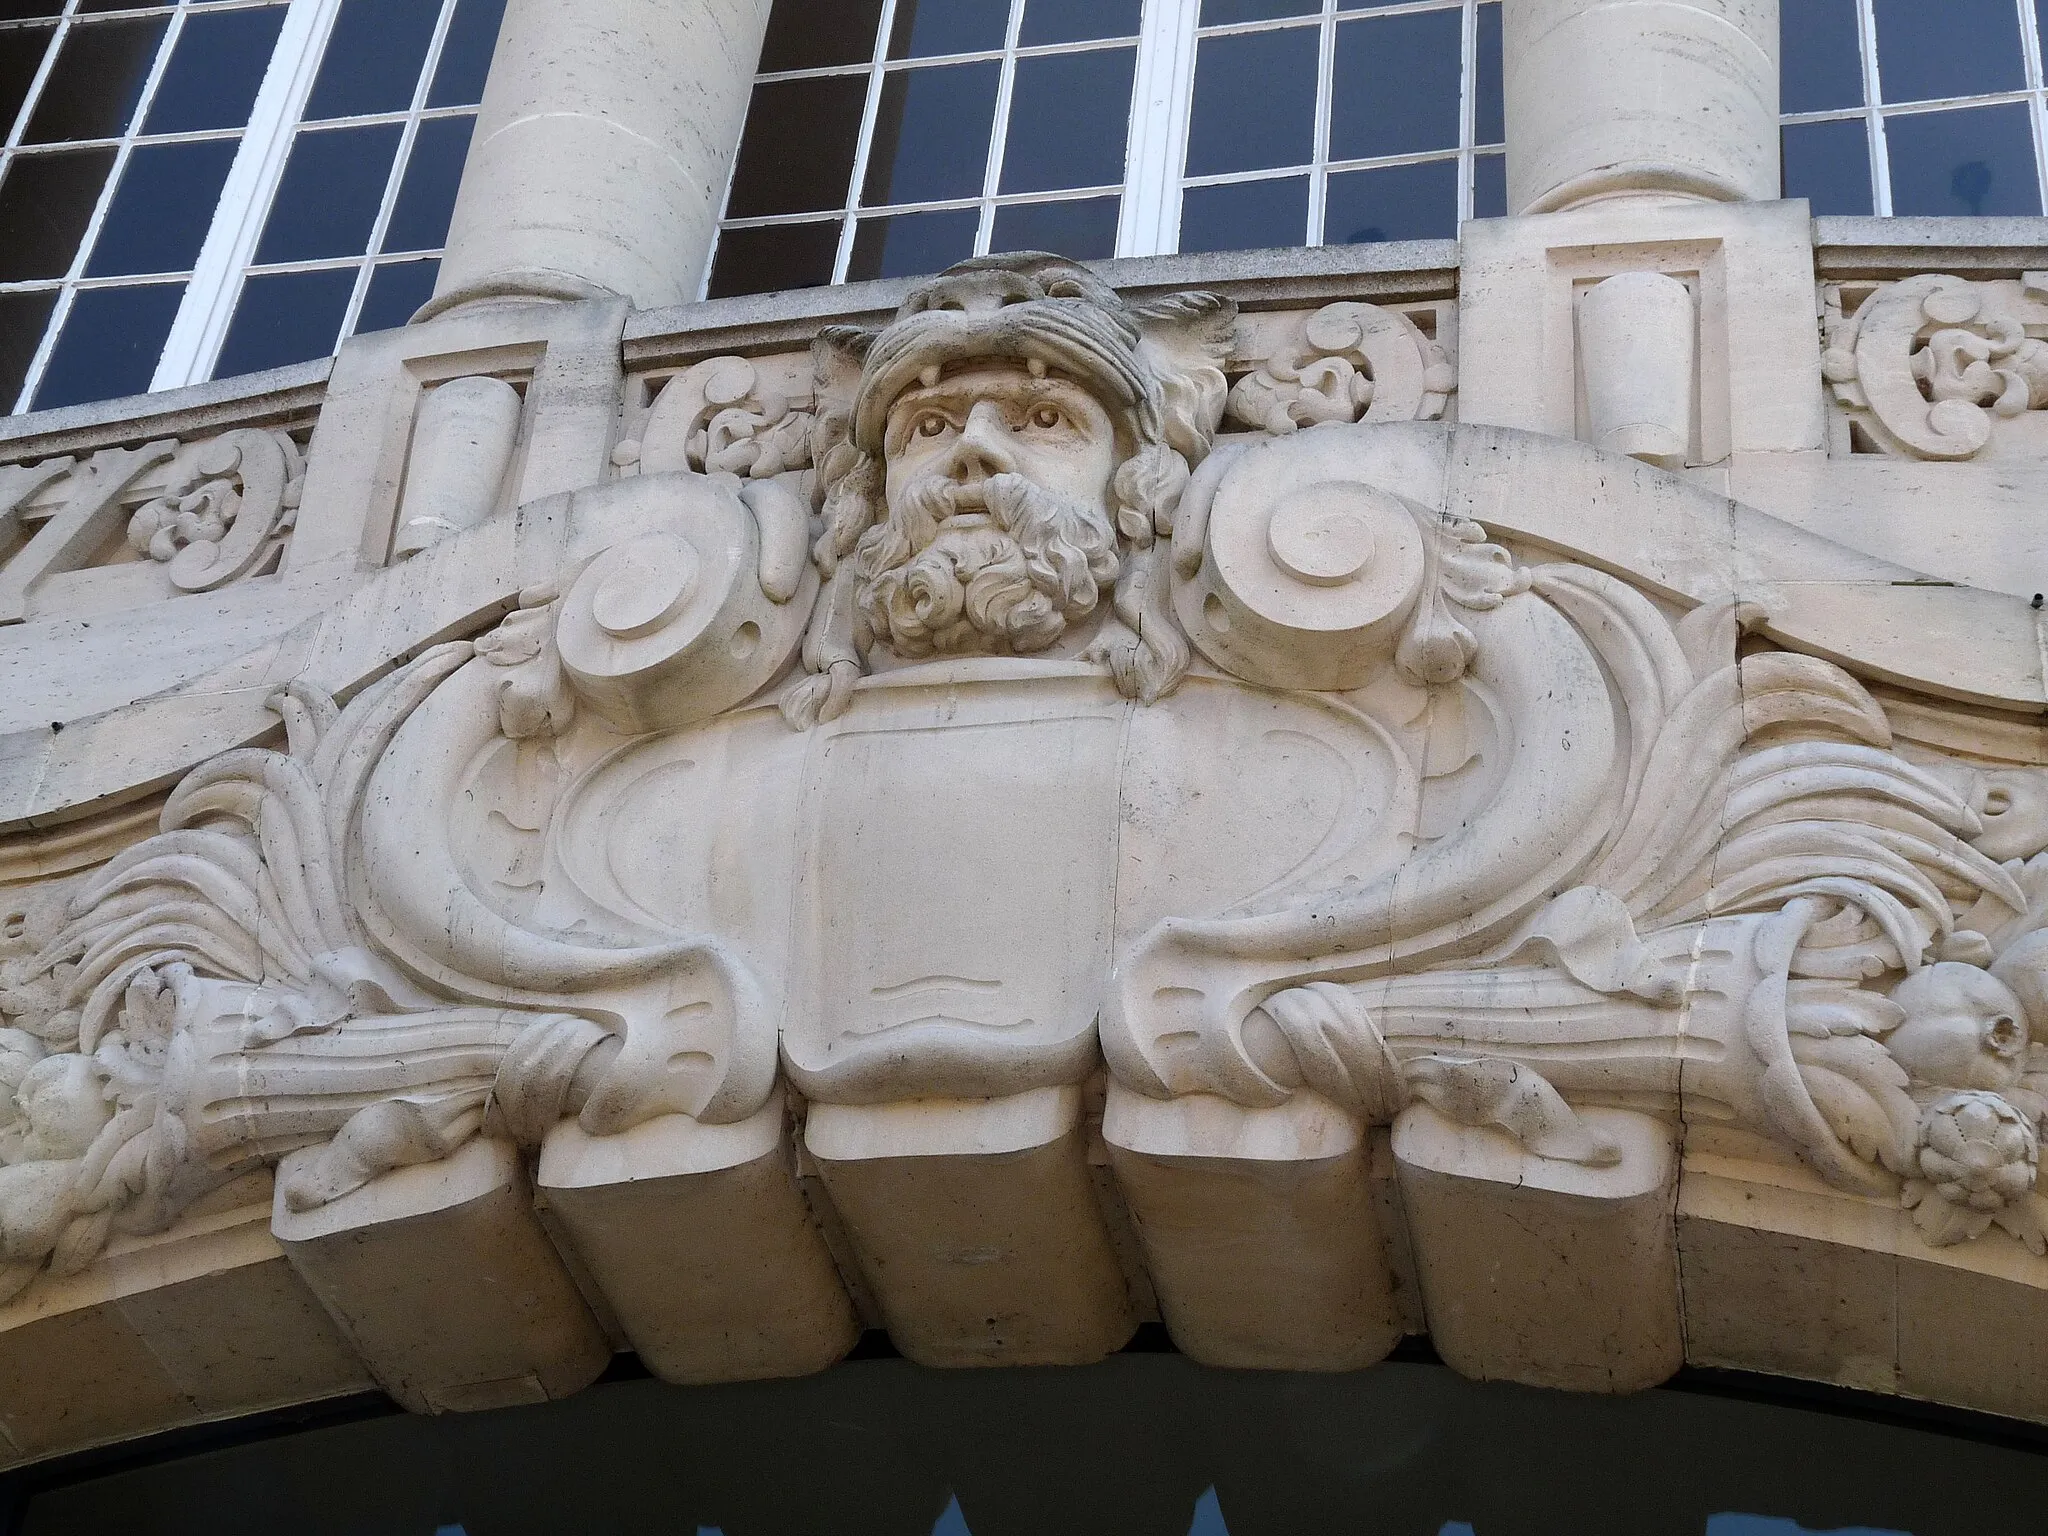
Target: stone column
(1668,99)
(601,150)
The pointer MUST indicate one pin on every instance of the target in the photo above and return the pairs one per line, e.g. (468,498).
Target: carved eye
(931,424)
(1046,416)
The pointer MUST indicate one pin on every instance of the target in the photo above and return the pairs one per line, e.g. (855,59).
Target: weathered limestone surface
(1640,98)
(1505,796)
(601,150)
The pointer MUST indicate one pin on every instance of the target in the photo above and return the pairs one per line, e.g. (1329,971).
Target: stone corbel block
(976,1226)
(700,1240)
(444,1279)
(1542,1271)
(1258,1229)
(1787,1276)
(200,1322)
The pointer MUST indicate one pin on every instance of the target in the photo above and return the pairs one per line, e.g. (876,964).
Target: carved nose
(984,446)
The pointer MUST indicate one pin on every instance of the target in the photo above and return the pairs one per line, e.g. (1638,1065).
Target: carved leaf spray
(1555,848)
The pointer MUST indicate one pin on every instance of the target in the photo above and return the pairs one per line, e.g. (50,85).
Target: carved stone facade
(1377,796)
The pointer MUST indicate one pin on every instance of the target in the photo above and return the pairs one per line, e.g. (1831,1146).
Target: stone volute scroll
(948,847)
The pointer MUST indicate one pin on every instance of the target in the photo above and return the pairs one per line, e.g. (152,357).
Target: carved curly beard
(935,580)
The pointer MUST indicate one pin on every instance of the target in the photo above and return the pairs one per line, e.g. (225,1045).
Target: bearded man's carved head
(996,455)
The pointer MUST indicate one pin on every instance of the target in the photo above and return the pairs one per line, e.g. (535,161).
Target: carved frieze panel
(971,714)
(129,525)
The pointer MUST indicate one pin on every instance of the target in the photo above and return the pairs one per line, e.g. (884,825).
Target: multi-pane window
(360,212)
(121,132)
(1331,122)
(889,137)
(210,187)
(1914,107)
(892,136)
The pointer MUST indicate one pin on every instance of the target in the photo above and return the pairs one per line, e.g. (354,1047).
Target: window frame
(226,258)
(877,70)
(1162,96)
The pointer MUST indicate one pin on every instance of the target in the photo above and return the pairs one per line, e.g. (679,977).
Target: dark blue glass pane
(770,260)
(1977,161)
(46,201)
(796,153)
(1072,21)
(925,28)
(1489,117)
(803,34)
(397,289)
(22,318)
(931,134)
(1220,13)
(1489,186)
(1395,202)
(285,317)
(327,202)
(910,244)
(98,79)
(1954,48)
(20,10)
(1245,215)
(419,219)
(373,57)
(110,343)
(1822,66)
(1255,102)
(1070,115)
(1084,229)
(161,210)
(215,69)
(21,55)
(466,54)
(1396,86)
(1828,164)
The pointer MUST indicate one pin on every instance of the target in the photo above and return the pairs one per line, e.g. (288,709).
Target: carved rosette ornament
(1041,726)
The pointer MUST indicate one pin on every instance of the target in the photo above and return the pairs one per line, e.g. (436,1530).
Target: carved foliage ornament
(1928,364)
(1347,362)
(1238,764)
(210,512)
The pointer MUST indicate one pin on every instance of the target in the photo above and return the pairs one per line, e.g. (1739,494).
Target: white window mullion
(869,107)
(999,131)
(202,322)
(1326,90)
(1880,160)
(2030,57)
(1162,93)
(1468,106)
